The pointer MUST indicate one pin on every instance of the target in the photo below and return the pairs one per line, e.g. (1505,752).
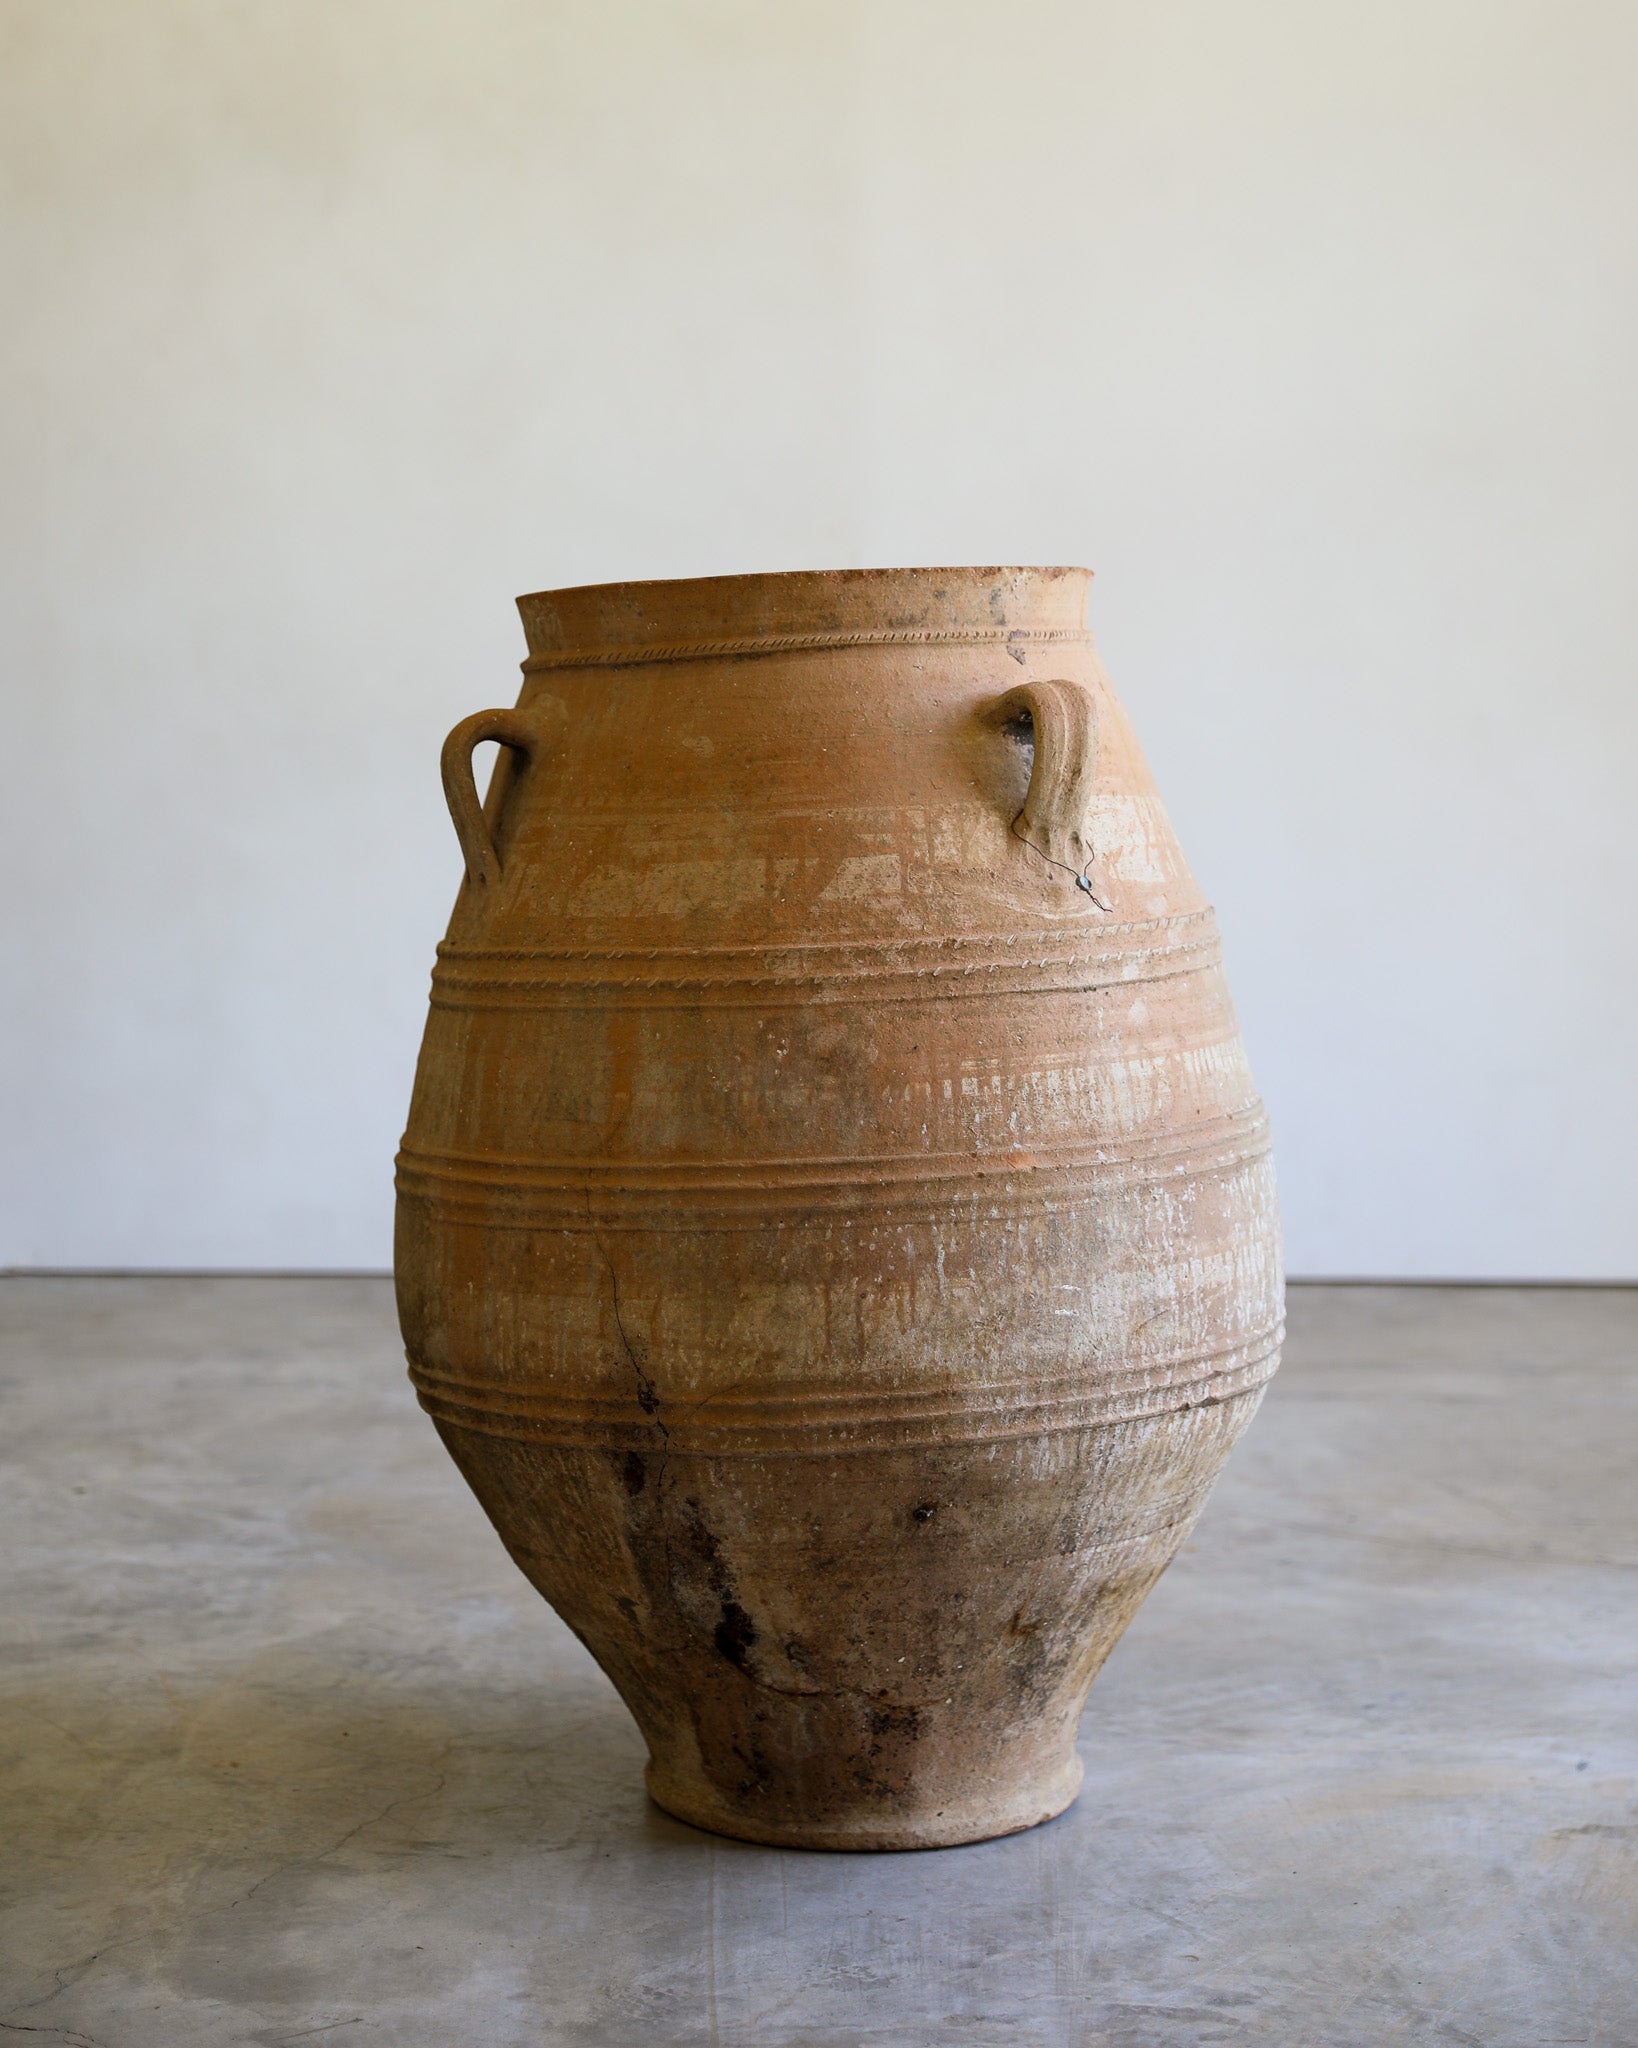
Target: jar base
(1027,1806)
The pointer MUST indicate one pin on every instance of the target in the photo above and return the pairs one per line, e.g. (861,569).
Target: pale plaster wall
(331,324)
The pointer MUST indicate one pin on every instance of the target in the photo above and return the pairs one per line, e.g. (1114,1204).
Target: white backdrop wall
(330,325)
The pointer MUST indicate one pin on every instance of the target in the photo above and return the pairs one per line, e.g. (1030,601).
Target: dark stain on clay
(648,1397)
(891,1734)
(885,1719)
(734,1634)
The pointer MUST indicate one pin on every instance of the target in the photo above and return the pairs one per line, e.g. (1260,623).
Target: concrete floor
(293,1754)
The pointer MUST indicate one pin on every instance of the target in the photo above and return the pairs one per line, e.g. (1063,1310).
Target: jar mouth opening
(603,624)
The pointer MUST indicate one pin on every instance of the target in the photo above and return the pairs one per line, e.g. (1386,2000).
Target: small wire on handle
(1080,877)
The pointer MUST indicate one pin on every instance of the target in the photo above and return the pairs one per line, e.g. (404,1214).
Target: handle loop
(1056,820)
(472,828)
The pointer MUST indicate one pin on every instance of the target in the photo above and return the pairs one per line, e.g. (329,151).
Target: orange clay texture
(837,1237)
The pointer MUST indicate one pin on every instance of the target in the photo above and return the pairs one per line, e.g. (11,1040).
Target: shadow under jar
(836,1230)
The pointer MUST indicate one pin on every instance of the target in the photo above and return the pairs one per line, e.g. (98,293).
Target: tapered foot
(1007,1811)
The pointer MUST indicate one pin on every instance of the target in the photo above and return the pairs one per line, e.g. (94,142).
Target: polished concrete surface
(292,1754)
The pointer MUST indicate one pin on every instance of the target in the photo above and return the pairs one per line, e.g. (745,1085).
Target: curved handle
(472,828)
(1057,816)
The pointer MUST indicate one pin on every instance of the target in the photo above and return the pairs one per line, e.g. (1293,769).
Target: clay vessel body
(836,1230)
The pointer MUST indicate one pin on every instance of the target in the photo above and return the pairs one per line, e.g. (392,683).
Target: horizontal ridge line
(792,643)
(880,1170)
(1006,945)
(585,1203)
(893,971)
(883,1432)
(475,992)
(1149,1376)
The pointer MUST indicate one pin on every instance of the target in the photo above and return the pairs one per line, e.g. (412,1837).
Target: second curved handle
(1057,814)
(472,828)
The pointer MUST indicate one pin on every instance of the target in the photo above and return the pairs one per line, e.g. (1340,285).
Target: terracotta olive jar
(836,1231)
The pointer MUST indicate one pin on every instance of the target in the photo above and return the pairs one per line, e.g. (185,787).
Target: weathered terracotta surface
(836,1231)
